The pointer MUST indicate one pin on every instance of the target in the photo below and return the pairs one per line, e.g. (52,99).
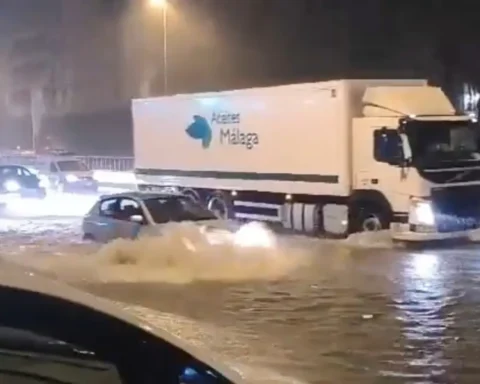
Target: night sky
(282,41)
(221,44)
(225,44)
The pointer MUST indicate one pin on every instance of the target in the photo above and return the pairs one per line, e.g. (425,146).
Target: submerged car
(18,181)
(132,214)
(53,333)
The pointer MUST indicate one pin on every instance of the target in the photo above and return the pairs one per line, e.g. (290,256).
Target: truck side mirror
(387,146)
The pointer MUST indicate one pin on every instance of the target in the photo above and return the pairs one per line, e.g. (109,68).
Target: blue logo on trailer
(228,128)
(200,129)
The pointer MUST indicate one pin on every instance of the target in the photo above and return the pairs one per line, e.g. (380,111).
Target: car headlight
(254,234)
(421,213)
(11,186)
(71,178)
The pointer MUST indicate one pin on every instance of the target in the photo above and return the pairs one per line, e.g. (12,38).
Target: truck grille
(457,208)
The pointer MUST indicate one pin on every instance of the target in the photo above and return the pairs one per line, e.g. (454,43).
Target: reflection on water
(357,316)
(337,313)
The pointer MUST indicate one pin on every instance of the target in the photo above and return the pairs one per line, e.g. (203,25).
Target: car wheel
(88,237)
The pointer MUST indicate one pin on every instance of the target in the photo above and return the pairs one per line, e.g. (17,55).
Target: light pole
(163,4)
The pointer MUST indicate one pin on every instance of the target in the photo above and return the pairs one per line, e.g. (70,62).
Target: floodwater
(356,311)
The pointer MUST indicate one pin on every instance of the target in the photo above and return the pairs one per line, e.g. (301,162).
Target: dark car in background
(19,181)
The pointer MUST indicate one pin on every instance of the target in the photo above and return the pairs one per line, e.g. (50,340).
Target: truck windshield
(71,166)
(438,144)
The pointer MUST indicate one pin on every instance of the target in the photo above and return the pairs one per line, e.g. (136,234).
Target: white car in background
(132,214)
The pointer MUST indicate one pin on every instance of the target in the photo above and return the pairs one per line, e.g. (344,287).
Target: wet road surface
(351,314)
(356,316)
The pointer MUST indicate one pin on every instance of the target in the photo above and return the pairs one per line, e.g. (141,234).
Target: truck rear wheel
(221,204)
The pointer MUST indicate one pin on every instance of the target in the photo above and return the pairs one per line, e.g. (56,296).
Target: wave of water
(180,255)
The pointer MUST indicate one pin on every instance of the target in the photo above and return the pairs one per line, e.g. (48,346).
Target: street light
(163,4)
(158,3)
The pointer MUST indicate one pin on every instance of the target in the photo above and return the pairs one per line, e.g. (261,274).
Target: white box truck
(321,158)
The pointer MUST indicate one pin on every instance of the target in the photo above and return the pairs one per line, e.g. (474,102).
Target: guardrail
(109,163)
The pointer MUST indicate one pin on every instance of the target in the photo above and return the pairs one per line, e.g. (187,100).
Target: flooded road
(353,316)
(348,314)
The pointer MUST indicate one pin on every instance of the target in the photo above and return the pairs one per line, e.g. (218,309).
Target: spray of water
(181,255)
(54,205)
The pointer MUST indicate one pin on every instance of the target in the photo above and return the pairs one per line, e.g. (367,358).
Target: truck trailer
(327,158)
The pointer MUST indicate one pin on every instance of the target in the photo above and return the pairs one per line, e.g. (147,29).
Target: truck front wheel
(369,218)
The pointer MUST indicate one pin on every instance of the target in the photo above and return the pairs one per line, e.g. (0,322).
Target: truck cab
(411,147)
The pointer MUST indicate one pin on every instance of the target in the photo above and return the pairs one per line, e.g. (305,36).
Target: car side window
(53,168)
(109,208)
(129,208)
(23,172)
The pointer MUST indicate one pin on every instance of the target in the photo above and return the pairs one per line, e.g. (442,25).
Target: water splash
(181,255)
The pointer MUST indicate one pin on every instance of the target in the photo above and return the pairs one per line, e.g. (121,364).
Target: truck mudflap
(402,232)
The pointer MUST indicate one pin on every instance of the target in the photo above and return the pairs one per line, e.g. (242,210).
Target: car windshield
(440,144)
(71,166)
(164,209)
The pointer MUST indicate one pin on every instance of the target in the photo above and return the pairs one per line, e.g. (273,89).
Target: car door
(130,220)
(30,180)
(104,225)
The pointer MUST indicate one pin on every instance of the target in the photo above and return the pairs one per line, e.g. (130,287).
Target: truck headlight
(11,186)
(421,213)
(71,178)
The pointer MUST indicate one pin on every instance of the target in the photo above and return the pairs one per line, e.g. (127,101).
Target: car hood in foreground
(19,278)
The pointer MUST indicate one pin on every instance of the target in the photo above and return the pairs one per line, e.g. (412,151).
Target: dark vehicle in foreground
(52,333)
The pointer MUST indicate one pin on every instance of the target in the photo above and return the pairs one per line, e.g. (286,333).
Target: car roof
(19,278)
(139,195)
